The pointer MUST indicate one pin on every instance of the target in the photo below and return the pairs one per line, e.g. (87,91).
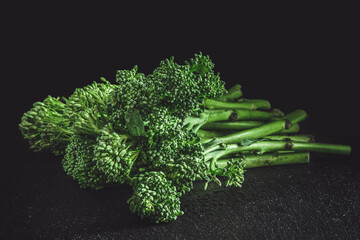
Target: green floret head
(177,87)
(161,125)
(45,126)
(79,162)
(184,171)
(133,92)
(89,121)
(155,198)
(90,96)
(182,88)
(200,64)
(87,108)
(173,149)
(210,84)
(182,160)
(115,155)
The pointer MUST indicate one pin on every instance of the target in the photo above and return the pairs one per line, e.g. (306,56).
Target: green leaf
(134,123)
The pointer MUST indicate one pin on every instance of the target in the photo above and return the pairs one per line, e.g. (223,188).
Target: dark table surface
(319,200)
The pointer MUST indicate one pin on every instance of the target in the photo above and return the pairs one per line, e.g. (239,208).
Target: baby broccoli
(161,132)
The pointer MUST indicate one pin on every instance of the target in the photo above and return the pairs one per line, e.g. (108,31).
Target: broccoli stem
(261,147)
(294,129)
(247,114)
(206,134)
(238,125)
(233,94)
(253,161)
(269,159)
(242,125)
(217,115)
(274,146)
(296,138)
(258,132)
(254,133)
(250,104)
(296,116)
(320,147)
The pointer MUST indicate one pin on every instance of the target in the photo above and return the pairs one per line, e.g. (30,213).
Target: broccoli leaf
(134,123)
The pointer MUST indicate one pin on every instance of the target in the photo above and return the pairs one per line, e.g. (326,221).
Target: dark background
(296,56)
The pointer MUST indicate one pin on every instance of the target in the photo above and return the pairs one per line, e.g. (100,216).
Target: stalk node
(288,124)
(277,112)
(289,145)
(233,117)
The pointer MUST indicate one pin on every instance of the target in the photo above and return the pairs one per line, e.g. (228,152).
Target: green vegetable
(161,132)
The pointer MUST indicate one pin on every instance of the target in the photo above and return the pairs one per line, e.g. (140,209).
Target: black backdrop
(296,56)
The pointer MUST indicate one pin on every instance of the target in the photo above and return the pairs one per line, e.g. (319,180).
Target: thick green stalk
(296,116)
(258,132)
(295,138)
(233,94)
(209,116)
(205,134)
(254,133)
(238,125)
(261,147)
(243,125)
(320,147)
(269,159)
(251,104)
(218,129)
(294,129)
(257,115)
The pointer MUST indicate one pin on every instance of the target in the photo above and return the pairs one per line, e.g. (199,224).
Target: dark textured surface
(315,201)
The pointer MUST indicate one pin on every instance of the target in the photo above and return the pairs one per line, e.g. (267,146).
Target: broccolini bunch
(161,132)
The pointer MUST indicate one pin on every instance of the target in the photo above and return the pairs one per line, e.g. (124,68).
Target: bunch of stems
(249,130)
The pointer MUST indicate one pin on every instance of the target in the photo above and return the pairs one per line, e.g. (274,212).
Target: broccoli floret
(155,198)
(94,95)
(133,91)
(102,160)
(50,124)
(115,155)
(172,148)
(210,84)
(79,162)
(45,126)
(184,87)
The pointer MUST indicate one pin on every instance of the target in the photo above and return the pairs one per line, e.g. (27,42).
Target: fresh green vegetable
(161,132)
